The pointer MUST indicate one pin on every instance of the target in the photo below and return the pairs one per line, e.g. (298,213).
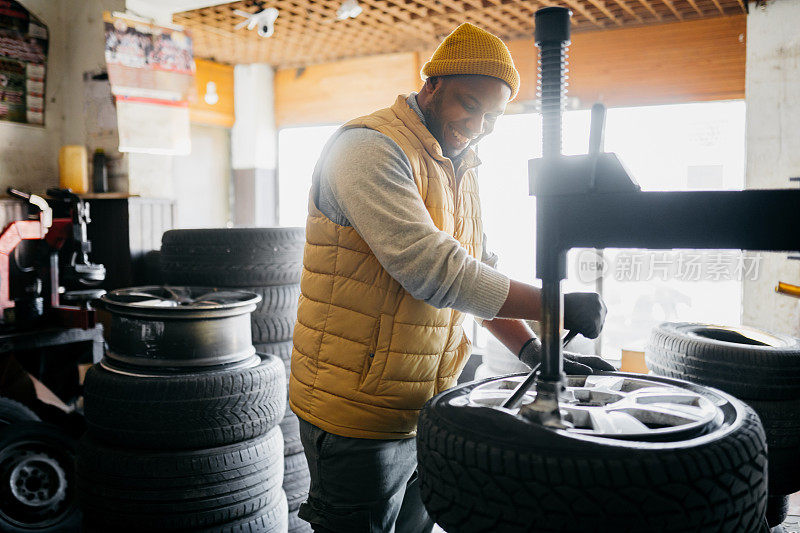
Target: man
(395,254)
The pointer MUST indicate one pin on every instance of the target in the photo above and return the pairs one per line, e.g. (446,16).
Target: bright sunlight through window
(673,147)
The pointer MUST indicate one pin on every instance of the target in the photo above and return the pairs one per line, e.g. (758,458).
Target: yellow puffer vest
(367,355)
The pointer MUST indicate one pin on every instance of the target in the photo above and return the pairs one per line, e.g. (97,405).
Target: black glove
(585,313)
(575,364)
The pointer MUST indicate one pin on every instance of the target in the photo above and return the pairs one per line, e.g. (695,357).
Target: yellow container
(73,168)
(633,361)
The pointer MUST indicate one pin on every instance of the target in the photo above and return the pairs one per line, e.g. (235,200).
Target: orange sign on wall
(213,104)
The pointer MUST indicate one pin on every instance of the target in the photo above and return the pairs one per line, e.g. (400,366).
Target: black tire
(274,518)
(280,299)
(274,317)
(272,328)
(152,269)
(784,470)
(194,490)
(484,470)
(237,257)
(72,423)
(281,349)
(777,509)
(297,524)
(721,357)
(781,420)
(11,412)
(37,450)
(296,479)
(185,411)
(290,427)
(728,359)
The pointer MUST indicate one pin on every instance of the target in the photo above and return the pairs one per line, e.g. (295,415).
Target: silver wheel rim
(37,480)
(613,406)
(179,298)
(179,327)
(167,372)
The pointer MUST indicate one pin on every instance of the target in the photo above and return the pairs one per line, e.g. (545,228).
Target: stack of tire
(182,418)
(757,366)
(268,262)
(37,474)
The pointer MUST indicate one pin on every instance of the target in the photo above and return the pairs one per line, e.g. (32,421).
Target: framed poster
(23,64)
(152,75)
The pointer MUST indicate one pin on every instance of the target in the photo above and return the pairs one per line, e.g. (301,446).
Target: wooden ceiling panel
(308,32)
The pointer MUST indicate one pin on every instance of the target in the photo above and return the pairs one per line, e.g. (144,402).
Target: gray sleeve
(370,180)
(487,256)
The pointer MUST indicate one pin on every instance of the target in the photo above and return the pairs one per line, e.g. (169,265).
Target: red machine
(60,258)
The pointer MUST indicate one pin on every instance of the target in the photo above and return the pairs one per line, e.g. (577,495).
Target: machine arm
(591,201)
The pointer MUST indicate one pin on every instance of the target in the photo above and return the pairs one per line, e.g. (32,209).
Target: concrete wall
(85,42)
(29,154)
(254,147)
(773,146)
(202,180)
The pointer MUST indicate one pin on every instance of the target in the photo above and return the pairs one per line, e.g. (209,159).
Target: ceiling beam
(601,5)
(585,12)
(694,5)
(307,31)
(624,5)
(647,5)
(719,7)
(671,7)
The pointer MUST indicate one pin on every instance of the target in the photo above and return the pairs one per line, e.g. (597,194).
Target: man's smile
(461,140)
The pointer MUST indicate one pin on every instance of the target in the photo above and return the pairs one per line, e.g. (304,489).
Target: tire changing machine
(591,201)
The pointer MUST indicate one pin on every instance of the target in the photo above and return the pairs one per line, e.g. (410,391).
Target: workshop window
(298,151)
(671,147)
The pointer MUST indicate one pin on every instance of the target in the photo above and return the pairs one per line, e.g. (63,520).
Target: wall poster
(23,64)
(151,70)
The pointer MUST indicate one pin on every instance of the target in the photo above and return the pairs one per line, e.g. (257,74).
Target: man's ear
(432,84)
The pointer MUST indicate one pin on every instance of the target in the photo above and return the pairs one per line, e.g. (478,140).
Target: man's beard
(432,121)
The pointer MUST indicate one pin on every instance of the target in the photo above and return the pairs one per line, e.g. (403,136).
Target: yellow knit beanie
(471,50)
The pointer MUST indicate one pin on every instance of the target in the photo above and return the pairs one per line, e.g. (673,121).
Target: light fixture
(212,96)
(263,20)
(348,10)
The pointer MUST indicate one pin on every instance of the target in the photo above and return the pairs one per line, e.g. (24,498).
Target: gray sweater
(365,181)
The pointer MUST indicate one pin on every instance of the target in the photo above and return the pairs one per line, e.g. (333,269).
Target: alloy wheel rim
(614,406)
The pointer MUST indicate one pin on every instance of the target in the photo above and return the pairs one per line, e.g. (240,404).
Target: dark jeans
(362,485)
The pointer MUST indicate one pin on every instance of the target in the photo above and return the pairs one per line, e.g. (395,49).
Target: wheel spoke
(495,397)
(665,415)
(610,405)
(670,397)
(611,383)
(157,302)
(171,296)
(615,422)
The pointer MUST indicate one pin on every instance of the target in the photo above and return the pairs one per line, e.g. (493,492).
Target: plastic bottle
(73,168)
(99,171)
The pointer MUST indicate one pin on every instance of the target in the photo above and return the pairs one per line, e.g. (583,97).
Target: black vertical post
(552,37)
